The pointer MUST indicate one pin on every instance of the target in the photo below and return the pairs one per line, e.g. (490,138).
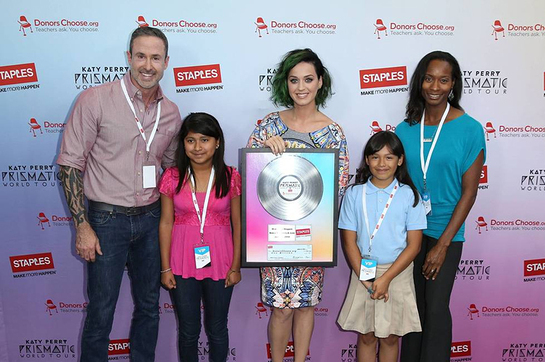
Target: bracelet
(233,271)
(166,270)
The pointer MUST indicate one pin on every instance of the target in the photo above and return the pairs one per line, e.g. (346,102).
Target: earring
(217,146)
(450,95)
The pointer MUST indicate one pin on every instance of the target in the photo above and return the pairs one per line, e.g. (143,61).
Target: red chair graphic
(472,310)
(497,29)
(50,306)
(379,26)
(489,129)
(42,219)
(23,24)
(141,22)
(260,25)
(375,127)
(260,308)
(34,125)
(481,224)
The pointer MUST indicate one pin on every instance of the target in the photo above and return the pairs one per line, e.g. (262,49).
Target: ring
(433,270)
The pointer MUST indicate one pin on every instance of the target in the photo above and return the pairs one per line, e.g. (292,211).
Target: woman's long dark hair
(375,144)
(207,125)
(416,104)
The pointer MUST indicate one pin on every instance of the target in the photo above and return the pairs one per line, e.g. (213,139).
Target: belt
(129,211)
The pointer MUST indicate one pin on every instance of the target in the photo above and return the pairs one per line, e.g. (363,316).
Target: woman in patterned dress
(301,84)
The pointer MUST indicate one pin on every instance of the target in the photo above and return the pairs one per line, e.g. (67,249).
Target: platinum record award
(289,207)
(290,188)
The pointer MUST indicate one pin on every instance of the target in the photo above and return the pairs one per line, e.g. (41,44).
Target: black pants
(433,298)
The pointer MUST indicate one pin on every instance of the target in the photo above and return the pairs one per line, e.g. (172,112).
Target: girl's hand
(168,281)
(380,286)
(434,261)
(233,277)
(276,144)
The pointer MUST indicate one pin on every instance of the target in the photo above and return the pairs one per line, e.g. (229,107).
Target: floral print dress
(294,286)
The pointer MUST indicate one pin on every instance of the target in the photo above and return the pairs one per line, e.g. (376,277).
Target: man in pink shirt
(117,139)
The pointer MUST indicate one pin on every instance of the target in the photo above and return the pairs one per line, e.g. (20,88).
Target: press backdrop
(51,51)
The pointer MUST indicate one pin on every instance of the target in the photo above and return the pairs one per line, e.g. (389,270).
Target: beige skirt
(399,315)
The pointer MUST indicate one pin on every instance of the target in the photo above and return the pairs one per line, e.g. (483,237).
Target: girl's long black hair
(416,104)
(376,143)
(207,125)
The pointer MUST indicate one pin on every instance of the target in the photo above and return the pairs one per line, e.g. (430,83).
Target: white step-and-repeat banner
(54,50)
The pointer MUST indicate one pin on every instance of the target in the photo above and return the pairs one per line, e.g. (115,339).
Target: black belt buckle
(133,211)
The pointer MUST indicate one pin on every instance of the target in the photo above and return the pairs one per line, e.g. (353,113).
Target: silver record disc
(290,187)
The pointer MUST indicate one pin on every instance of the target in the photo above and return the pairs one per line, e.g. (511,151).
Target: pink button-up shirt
(101,138)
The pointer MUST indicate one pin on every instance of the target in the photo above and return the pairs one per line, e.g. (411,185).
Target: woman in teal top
(445,151)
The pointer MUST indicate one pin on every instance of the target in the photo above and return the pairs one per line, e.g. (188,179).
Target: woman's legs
(303,325)
(432,298)
(280,325)
(367,347)
(389,348)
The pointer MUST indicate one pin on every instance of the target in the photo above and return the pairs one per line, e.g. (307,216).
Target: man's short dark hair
(149,31)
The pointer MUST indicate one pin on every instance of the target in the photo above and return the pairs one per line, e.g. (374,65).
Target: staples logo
(460,349)
(534,267)
(290,352)
(18,73)
(119,346)
(383,77)
(484,175)
(24,263)
(197,75)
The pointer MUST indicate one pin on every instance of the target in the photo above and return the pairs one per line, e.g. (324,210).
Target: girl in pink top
(199,235)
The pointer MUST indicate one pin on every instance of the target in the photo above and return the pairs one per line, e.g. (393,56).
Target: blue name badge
(426,201)
(368,269)
(202,256)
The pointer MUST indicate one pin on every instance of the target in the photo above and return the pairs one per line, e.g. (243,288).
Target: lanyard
(426,164)
(196,204)
(138,124)
(382,216)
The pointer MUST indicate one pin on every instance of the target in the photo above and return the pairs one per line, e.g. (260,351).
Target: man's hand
(87,244)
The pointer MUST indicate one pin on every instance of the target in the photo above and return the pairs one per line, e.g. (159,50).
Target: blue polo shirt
(391,238)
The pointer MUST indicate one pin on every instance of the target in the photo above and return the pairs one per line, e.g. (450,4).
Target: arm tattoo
(72,183)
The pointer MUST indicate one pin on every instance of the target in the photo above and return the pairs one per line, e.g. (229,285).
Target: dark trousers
(187,301)
(132,241)
(432,297)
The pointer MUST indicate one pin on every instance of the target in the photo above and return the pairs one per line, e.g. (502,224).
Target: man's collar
(135,92)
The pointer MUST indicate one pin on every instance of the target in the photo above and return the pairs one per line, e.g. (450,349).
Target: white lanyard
(382,216)
(196,204)
(426,164)
(138,124)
